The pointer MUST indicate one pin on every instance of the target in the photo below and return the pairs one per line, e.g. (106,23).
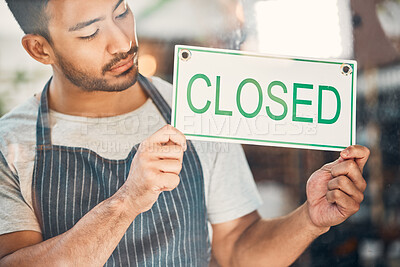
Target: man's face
(94,42)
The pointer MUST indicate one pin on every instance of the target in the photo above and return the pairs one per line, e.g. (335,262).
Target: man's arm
(334,193)
(260,242)
(89,243)
(155,168)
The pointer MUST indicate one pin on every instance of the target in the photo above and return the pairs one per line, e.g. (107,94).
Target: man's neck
(69,99)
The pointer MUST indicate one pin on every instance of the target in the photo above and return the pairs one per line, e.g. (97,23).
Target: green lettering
(278,100)
(217,110)
(189,93)
(300,102)
(260,98)
(338,104)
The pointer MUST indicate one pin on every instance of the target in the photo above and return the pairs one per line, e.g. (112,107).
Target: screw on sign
(185,55)
(346,69)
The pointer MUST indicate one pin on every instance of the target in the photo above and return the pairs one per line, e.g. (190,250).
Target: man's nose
(118,42)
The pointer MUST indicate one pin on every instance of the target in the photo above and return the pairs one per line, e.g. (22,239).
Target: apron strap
(43,134)
(157,98)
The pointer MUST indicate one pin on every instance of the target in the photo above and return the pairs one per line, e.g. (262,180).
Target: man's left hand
(335,191)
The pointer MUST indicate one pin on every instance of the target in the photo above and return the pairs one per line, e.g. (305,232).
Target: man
(67,202)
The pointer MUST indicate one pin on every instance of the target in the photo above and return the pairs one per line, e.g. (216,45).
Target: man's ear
(38,48)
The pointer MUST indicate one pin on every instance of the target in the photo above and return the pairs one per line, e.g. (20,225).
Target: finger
(169,166)
(169,133)
(169,181)
(350,169)
(346,205)
(345,185)
(169,152)
(359,153)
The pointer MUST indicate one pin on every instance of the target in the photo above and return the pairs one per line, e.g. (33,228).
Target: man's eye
(123,14)
(90,37)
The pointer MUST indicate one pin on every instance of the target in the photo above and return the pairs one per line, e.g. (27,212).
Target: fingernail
(345,153)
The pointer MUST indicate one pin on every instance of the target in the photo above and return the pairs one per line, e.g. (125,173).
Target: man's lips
(123,65)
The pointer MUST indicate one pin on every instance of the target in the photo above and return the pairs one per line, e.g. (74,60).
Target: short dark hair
(31,16)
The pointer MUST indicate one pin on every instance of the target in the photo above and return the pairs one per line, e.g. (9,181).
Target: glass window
(367,31)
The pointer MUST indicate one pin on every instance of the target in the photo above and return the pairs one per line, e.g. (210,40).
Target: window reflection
(358,29)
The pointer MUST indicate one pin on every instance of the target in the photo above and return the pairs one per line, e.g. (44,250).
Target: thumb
(328,166)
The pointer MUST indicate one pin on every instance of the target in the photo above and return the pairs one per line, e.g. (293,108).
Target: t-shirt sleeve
(15,213)
(232,190)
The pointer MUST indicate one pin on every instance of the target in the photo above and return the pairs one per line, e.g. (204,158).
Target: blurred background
(365,30)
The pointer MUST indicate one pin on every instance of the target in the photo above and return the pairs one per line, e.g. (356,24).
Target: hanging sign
(241,97)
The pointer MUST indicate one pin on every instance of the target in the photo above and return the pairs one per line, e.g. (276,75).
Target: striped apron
(69,181)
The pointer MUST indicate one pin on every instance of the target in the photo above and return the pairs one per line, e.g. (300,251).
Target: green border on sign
(265,56)
(265,141)
(352,103)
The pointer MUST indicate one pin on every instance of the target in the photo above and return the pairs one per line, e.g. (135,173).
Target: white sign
(233,96)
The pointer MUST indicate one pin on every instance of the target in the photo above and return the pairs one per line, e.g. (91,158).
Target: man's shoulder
(25,113)
(18,125)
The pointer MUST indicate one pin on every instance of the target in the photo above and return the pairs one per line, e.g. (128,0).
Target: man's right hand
(155,168)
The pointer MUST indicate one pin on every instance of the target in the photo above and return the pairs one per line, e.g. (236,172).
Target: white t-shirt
(230,190)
